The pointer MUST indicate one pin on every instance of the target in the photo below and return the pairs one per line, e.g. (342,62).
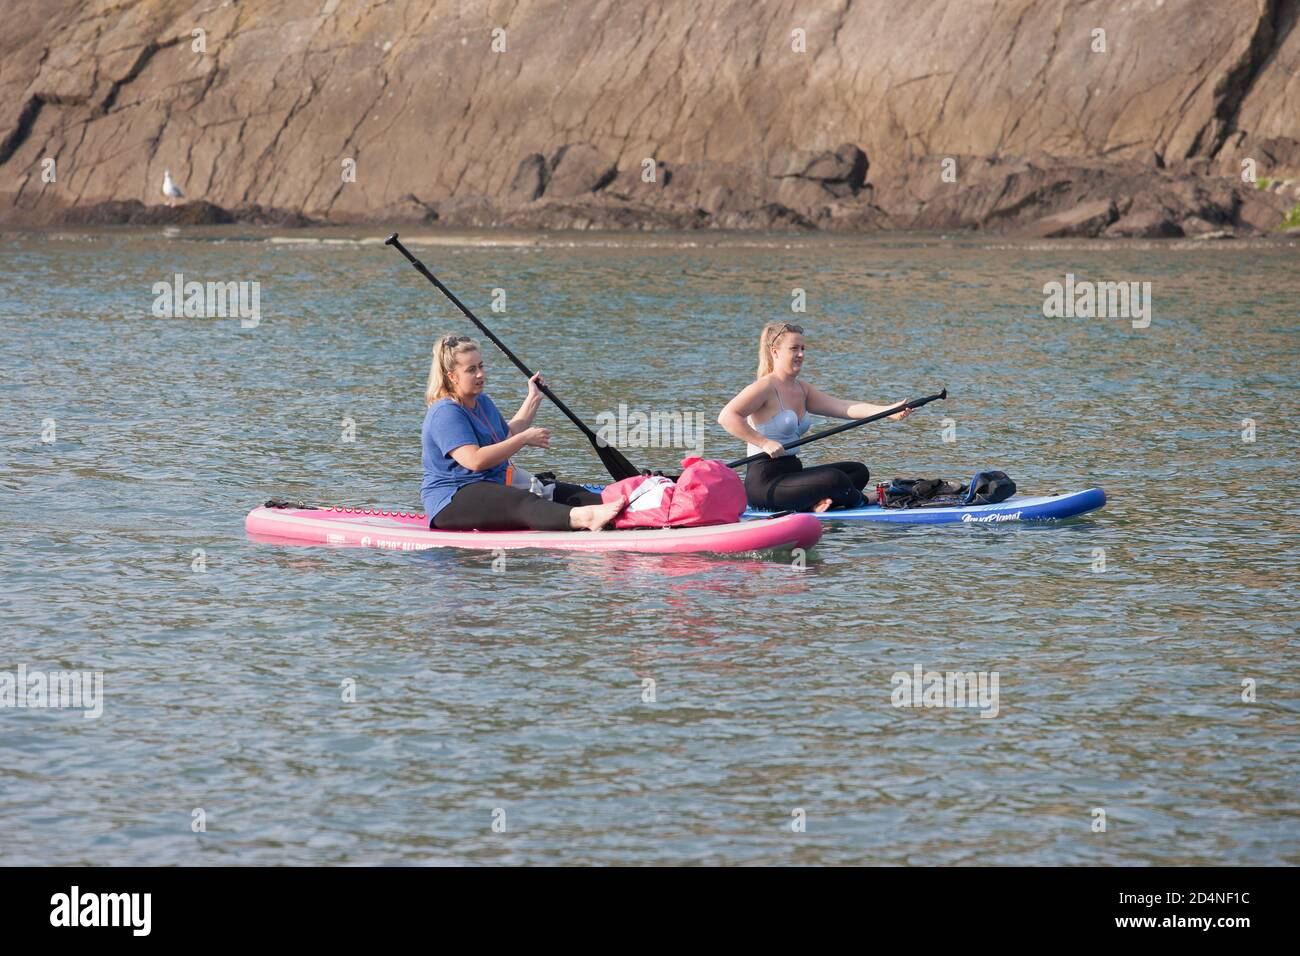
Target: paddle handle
(915,403)
(420,267)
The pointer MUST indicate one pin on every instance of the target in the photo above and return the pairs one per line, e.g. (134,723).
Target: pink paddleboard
(411,532)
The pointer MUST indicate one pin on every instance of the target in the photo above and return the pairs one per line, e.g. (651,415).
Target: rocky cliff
(1056,117)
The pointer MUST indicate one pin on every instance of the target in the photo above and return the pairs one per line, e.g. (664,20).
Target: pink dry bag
(708,492)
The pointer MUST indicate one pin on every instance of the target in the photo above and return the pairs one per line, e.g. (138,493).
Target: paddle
(917,403)
(618,466)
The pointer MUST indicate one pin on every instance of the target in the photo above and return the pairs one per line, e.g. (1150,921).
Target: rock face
(1088,220)
(832,114)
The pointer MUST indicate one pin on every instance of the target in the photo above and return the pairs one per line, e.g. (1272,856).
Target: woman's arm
(819,403)
(752,399)
(483,457)
(528,410)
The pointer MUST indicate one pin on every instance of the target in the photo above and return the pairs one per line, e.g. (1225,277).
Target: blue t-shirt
(447,426)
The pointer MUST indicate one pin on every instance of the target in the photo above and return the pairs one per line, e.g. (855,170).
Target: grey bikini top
(784,426)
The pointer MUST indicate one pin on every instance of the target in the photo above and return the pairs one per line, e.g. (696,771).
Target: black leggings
(784,484)
(488,506)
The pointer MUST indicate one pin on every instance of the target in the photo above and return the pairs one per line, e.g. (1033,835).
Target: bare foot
(822,505)
(595,517)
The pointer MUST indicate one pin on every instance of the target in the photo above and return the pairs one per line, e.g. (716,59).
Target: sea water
(268,704)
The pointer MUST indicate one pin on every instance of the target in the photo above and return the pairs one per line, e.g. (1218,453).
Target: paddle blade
(614,462)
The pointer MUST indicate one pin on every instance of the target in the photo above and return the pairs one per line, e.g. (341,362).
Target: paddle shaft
(420,267)
(916,403)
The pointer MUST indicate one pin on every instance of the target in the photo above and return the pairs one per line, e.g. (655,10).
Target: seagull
(170,189)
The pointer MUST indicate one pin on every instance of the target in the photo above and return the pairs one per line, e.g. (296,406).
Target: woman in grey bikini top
(776,409)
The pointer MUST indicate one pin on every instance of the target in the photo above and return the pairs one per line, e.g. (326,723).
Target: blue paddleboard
(1015,508)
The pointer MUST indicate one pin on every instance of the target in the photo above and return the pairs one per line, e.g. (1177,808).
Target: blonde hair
(446,351)
(767,338)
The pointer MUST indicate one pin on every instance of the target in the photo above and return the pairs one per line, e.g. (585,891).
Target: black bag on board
(989,487)
(986,488)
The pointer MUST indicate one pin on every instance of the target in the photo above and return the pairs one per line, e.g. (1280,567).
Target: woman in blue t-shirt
(467,446)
